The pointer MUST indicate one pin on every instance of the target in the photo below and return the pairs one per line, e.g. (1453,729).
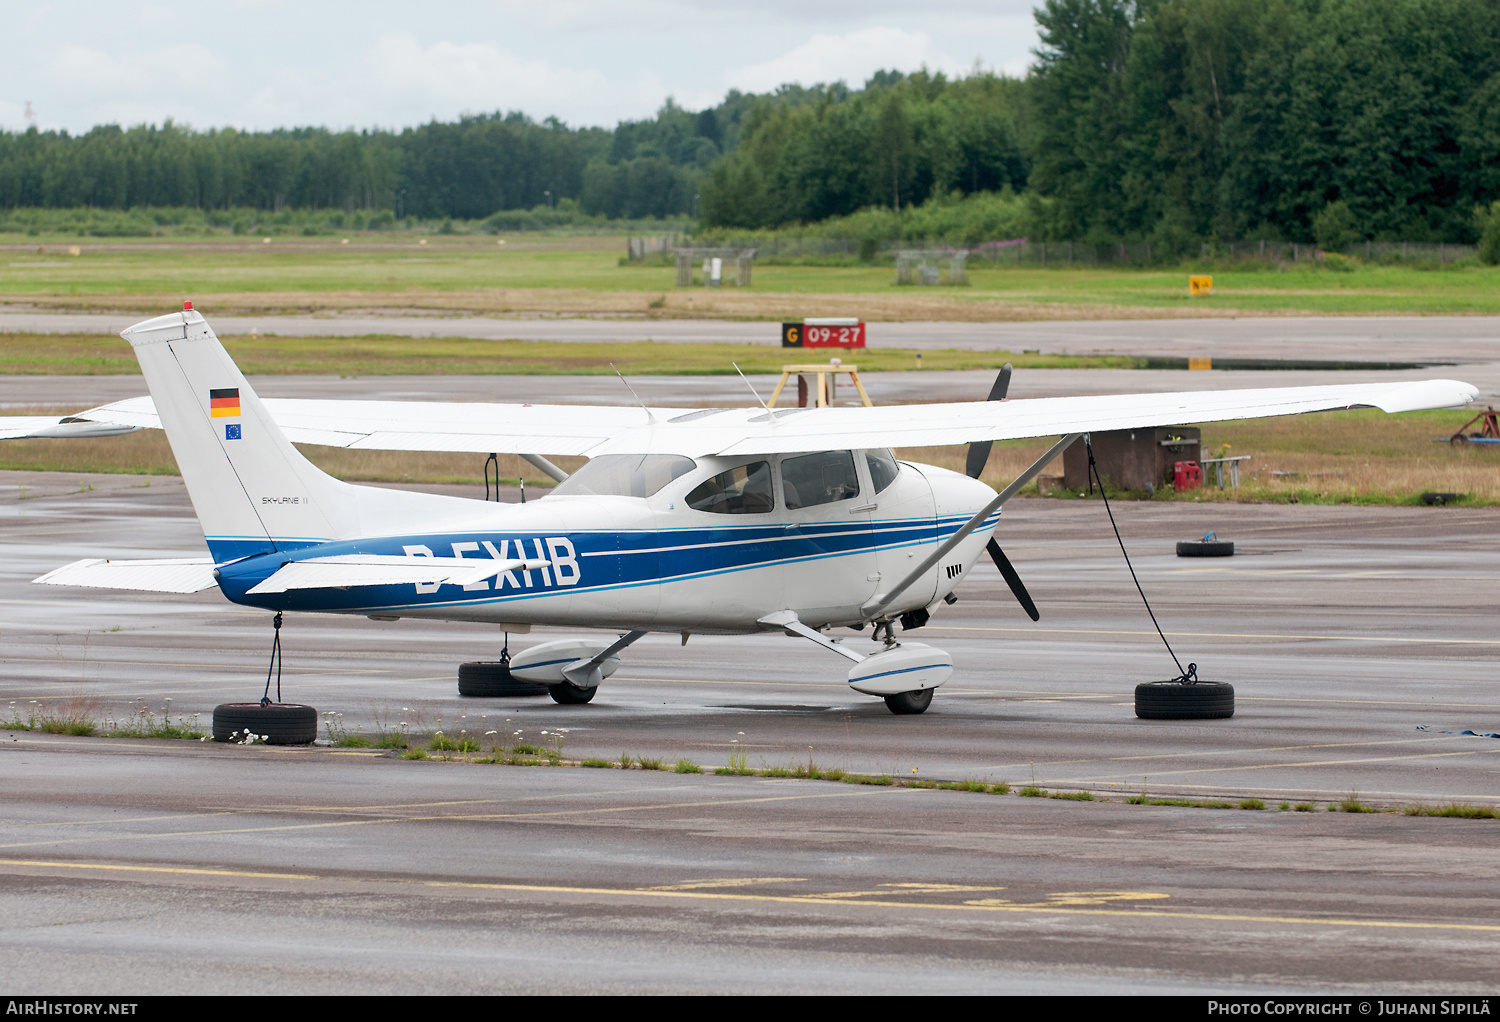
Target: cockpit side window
(883,467)
(811,479)
(625,475)
(742,490)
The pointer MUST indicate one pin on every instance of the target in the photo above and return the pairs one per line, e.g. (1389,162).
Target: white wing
(472,427)
(590,430)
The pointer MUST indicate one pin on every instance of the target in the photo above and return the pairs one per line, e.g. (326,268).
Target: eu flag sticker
(232,431)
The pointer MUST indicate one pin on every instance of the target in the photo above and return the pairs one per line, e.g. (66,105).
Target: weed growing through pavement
(143,722)
(879,780)
(71,716)
(1459,810)
(341,737)
(16,723)
(737,767)
(1350,803)
(547,751)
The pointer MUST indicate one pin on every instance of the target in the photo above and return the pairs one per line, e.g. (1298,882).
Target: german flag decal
(224,404)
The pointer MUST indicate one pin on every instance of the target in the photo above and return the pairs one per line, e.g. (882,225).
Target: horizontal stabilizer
(164,575)
(344,571)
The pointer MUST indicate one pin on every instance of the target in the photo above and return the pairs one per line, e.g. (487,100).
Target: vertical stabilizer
(253,491)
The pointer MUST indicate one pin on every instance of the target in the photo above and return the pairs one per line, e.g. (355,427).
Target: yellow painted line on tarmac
(1217,635)
(841,899)
(1277,748)
(465,818)
(1232,768)
(1201,754)
(159,869)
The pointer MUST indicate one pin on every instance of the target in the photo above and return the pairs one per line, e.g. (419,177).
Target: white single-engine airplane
(706,521)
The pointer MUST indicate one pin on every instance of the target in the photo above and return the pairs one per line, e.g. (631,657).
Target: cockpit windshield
(625,475)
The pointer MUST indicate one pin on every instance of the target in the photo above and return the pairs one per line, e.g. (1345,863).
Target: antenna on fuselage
(770,415)
(649,417)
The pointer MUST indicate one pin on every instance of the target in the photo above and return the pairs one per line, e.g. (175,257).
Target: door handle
(864,507)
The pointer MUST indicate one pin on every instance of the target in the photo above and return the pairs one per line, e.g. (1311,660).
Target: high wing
(591,430)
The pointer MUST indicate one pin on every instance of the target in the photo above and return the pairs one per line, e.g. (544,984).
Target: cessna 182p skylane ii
(705,521)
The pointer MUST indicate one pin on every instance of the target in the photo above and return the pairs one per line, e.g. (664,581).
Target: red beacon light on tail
(187,306)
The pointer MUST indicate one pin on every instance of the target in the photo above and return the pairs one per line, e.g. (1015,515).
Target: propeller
(1013,580)
(979,455)
(979,450)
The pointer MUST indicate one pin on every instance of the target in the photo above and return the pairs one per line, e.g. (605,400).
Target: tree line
(1165,121)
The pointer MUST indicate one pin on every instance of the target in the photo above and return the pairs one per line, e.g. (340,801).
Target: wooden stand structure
(827,376)
(1132,459)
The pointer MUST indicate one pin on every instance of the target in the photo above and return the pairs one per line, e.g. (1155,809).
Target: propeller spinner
(979,455)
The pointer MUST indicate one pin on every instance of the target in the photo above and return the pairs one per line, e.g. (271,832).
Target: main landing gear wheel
(568,694)
(490,678)
(277,723)
(1174,700)
(910,702)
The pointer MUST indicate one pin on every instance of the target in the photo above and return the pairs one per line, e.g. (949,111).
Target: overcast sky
(278,63)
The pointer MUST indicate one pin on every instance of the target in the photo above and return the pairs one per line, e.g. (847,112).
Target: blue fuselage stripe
(581,562)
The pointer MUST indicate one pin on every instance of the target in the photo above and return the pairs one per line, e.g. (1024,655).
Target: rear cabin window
(822,478)
(625,475)
(743,490)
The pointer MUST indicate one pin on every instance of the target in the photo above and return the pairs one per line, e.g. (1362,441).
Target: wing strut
(883,600)
(543,464)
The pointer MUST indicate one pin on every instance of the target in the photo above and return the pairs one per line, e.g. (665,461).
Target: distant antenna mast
(770,415)
(649,417)
(30,115)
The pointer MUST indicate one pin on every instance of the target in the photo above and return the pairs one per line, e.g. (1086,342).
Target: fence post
(684,267)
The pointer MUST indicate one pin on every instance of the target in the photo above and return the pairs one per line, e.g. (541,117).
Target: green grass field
(562,274)
(90,354)
(1356,457)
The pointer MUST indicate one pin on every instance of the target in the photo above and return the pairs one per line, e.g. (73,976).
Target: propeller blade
(1012,579)
(979,451)
(1001,385)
